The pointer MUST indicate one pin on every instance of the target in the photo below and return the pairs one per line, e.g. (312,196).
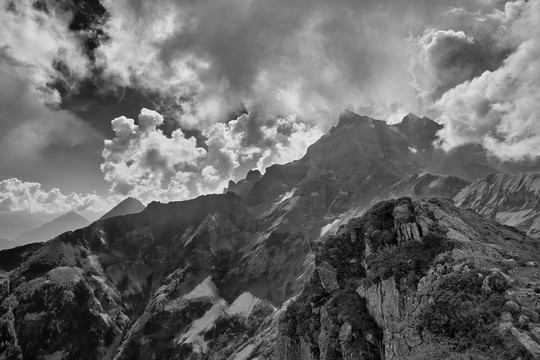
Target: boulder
(525,298)
(532,346)
(536,333)
(512,307)
(505,327)
(506,317)
(533,315)
(524,321)
(509,263)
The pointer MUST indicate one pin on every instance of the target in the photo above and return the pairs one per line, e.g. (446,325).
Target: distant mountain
(511,199)
(67,222)
(12,224)
(469,162)
(126,207)
(419,131)
(426,185)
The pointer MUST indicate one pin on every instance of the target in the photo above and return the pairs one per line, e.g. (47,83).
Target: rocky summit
(354,251)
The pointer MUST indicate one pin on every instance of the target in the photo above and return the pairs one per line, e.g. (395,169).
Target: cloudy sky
(167,99)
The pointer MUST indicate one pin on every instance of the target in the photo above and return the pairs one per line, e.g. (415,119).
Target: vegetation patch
(466,316)
(409,260)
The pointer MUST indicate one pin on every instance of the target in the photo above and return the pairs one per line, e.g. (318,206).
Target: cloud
(30,197)
(32,45)
(258,81)
(310,58)
(142,161)
(500,109)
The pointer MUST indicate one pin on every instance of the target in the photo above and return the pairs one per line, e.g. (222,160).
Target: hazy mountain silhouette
(67,222)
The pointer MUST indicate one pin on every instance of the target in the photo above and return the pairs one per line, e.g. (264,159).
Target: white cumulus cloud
(30,197)
(144,162)
(500,109)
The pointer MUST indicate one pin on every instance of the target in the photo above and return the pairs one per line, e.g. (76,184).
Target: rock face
(510,199)
(247,274)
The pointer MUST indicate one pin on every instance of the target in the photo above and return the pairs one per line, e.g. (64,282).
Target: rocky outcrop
(421,288)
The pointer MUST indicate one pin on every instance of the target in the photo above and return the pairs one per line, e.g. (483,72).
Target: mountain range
(354,251)
(67,222)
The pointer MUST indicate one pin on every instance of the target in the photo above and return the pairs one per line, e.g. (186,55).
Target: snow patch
(206,289)
(243,355)
(202,325)
(287,195)
(243,305)
(328,226)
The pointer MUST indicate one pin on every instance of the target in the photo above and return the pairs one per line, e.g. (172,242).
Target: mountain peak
(70,215)
(414,120)
(348,118)
(420,131)
(128,206)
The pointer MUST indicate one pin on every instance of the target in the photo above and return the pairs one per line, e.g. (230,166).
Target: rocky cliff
(417,279)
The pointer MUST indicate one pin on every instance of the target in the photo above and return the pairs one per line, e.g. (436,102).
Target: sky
(166,100)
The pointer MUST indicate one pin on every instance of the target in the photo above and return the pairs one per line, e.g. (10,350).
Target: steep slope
(125,207)
(511,199)
(425,185)
(47,231)
(416,279)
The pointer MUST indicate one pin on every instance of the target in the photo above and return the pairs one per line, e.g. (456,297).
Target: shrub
(410,258)
(461,311)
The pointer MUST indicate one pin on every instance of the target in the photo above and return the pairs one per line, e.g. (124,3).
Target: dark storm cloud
(500,108)
(451,57)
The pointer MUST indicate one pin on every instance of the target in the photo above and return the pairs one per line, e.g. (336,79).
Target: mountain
(12,224)
(125,207)
(274,267)
(61,224)
(511,199)
(419,131)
